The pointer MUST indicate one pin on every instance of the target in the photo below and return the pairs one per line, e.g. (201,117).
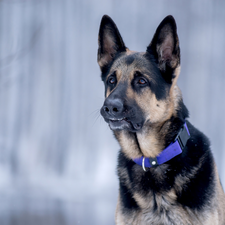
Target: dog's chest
(158,206)
(162,209)
(157,209)
(172,216)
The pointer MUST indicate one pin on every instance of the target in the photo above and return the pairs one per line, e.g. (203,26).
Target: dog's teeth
(118,119)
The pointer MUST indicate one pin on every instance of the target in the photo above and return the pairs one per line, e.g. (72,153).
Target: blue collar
(168,153)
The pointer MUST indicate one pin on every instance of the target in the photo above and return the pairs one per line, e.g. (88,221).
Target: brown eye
(142,81)
(112,80)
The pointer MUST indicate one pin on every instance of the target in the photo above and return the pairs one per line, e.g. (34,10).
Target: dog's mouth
(122,124)
(123,120)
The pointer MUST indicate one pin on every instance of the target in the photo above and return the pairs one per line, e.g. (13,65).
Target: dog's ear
(165,47)
(110,42)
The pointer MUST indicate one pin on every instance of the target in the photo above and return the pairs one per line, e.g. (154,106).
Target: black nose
(113,106)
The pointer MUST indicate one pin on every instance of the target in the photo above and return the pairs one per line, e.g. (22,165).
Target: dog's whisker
(95,111)
(97,117)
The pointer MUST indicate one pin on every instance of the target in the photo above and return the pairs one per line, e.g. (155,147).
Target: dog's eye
(142,81)
(112,80)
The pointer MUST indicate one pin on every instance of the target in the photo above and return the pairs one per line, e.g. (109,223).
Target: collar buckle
(182,137)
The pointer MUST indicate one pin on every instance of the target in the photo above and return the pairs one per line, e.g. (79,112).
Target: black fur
(108,27)
(196,193)
(188,182)
(159,87)
(159,37)
(129,59)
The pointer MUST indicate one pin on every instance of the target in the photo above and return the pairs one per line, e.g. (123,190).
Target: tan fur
(165,206)
(150,145)
(220,197)
(156,111)
(150,139)
(164,216)
(106,58)
(128,144)
(168,211)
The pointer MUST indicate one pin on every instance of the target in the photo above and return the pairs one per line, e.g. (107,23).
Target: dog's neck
(151,140)
(148,142)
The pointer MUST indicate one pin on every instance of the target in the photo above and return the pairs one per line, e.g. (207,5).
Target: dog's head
(139,87)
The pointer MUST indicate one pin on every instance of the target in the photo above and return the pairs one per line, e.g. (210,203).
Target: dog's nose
(113,106)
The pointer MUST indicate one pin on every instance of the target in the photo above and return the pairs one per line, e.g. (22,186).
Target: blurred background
(57,155)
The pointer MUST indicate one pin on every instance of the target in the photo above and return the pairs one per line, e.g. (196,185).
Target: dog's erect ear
(165,47)
(110,42)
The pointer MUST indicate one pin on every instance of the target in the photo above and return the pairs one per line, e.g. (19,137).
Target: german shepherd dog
(167,173)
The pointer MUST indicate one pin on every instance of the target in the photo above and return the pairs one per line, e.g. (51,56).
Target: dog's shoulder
(195,178)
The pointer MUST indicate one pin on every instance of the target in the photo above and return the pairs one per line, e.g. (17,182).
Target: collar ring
(143,164)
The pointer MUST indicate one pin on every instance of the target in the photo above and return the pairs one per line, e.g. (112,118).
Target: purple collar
(168,153)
